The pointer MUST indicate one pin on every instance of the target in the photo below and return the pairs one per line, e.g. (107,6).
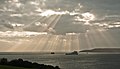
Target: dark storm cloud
(100,4)
(4,23)
(8,26)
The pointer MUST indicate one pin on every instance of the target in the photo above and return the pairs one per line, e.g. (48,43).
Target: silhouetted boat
(72,53)
(52,52)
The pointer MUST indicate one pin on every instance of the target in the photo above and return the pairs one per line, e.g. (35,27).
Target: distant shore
(102,50)
(95,50)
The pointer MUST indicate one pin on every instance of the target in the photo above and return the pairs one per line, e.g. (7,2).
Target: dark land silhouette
(25,64)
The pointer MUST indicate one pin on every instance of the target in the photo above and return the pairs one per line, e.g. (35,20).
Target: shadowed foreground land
(12,67)
(5,64)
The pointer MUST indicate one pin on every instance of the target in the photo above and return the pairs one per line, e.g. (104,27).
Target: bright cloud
(51,12)
(15,0)
(38,10)
(17,25)
(34,3)
(88,16)
(18,5)
(20,34)
(16,15)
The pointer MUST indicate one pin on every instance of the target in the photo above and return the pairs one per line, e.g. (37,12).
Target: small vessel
(52,52)
(72,53)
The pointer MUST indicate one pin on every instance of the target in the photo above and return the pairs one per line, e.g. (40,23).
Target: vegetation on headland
(25,64)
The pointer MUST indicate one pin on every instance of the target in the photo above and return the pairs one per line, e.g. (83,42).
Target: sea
(81,61)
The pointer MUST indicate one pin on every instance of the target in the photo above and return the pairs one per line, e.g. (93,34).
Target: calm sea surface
(83,61)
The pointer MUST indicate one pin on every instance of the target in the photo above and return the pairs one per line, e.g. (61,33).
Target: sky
(58,25)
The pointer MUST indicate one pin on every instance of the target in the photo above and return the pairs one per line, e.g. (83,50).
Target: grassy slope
(11,67)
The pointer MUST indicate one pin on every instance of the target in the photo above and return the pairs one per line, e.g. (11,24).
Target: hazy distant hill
(103,50)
